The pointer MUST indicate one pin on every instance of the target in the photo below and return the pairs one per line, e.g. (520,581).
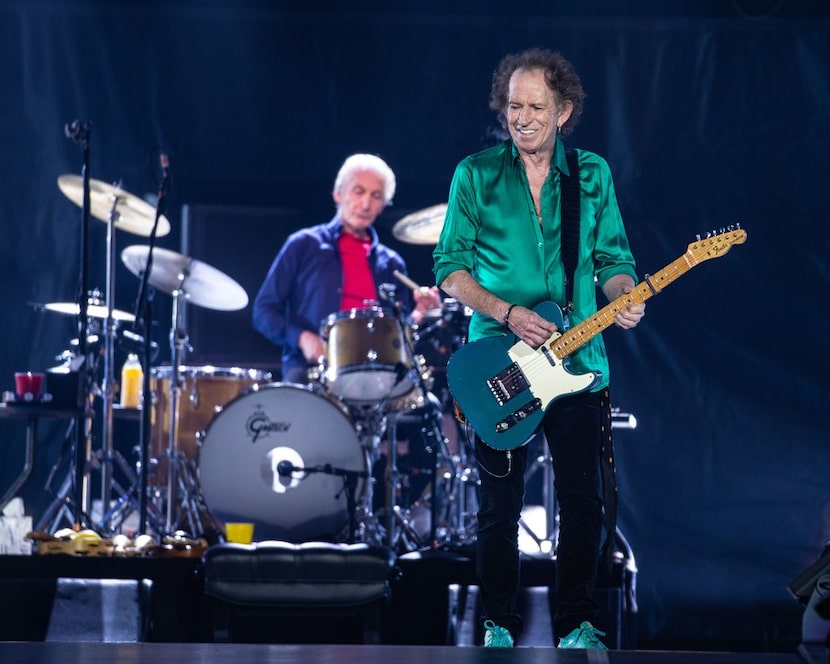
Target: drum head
(251,453)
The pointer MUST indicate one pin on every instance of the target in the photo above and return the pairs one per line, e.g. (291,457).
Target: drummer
(333,267)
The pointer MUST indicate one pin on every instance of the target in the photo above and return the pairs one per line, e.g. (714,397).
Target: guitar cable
(508,454)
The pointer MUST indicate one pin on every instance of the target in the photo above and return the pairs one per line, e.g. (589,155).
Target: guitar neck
(578,336)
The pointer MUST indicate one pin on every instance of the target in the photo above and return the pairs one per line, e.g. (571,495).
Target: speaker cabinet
(241,242)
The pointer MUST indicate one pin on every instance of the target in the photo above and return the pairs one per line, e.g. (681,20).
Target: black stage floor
(206,653)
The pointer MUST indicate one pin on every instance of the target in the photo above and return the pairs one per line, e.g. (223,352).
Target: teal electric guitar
(502,386)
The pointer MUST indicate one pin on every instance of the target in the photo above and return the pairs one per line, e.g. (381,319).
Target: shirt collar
(559,159)
(335,227)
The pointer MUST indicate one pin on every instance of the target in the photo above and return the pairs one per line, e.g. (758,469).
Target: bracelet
(507,313)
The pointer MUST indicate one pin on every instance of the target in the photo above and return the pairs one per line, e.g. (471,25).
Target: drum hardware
(204,391)
(121,211)
(398,530)
(444,501)
(371,365)
(546,541)
(350,482)
(186,280)
(432,344)
(64,507)
(72,362)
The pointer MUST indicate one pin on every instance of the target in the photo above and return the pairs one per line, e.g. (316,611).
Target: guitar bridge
(507,384)
(518,415)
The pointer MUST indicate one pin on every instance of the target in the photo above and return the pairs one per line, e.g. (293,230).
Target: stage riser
(177,610)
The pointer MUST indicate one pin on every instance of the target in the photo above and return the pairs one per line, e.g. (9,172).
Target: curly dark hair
(559,74)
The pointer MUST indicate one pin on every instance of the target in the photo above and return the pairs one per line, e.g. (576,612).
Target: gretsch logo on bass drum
(259,425)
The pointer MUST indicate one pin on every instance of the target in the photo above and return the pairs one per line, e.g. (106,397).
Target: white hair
(367,162)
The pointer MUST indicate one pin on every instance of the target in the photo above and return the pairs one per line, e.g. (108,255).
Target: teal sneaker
(585,636)
(495,636)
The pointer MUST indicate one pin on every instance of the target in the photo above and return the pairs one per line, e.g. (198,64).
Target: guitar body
(503,386)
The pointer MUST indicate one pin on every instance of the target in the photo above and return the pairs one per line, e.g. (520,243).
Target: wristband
(507,313)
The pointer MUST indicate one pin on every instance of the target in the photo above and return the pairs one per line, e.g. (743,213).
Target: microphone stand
(350,478)
(144,314)
(83,427)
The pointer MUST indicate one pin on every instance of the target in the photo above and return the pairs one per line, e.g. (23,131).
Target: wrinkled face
(532,114)
(360,200)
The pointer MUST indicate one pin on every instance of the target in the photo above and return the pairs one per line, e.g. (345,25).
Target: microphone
(72,129)
(285,468)
(76,131)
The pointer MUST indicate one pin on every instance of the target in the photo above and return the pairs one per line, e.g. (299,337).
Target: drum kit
(364,451)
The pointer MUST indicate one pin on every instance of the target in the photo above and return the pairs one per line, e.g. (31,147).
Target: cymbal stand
(399,527)
(108,392)
(400,536)
(547,541)
(462,502)
(63,509)
(184,503)
(129,499)
(370,425)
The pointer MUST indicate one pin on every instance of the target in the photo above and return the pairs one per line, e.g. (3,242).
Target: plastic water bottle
(132,379)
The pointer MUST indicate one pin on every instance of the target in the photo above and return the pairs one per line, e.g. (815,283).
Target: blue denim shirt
(304,286)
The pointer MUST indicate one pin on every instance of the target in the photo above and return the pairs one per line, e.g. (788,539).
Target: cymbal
(130,213)
(200,283)
(422,227)
(92,310)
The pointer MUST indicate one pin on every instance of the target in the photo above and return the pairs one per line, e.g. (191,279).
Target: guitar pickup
(507,383)
(518,415)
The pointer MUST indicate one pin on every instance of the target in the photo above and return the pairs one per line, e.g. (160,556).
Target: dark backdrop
(710,114)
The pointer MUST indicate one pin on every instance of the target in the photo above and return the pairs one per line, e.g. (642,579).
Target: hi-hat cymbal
(200,283)
(130,213)
(92,310)
(422,227)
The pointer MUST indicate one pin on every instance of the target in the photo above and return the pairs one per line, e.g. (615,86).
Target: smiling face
(360,199)
(533,116)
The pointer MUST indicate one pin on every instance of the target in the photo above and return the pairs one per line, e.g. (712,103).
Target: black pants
(575,429)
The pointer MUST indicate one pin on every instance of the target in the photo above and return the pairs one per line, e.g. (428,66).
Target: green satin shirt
(491,231)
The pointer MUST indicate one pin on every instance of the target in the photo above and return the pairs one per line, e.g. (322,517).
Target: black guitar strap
(570,256)
(570,226)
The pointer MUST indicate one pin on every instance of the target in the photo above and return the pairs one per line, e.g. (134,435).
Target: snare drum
(204,390)
(252,454)
(367,356)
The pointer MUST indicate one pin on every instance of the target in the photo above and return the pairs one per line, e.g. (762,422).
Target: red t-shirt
(358,281)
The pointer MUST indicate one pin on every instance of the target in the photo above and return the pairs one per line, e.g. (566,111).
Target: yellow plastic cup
(239,533)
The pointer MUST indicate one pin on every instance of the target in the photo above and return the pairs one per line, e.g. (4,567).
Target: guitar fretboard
(697,252)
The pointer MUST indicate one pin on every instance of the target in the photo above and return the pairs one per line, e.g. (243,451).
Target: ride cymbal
(200,283)
(130,213)
(422,227)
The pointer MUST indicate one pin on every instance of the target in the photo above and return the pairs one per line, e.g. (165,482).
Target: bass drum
(252,454)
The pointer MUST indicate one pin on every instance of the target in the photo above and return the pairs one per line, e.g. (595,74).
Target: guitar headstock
(716,243)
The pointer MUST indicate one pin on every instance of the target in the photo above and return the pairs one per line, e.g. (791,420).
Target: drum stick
(406,281)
